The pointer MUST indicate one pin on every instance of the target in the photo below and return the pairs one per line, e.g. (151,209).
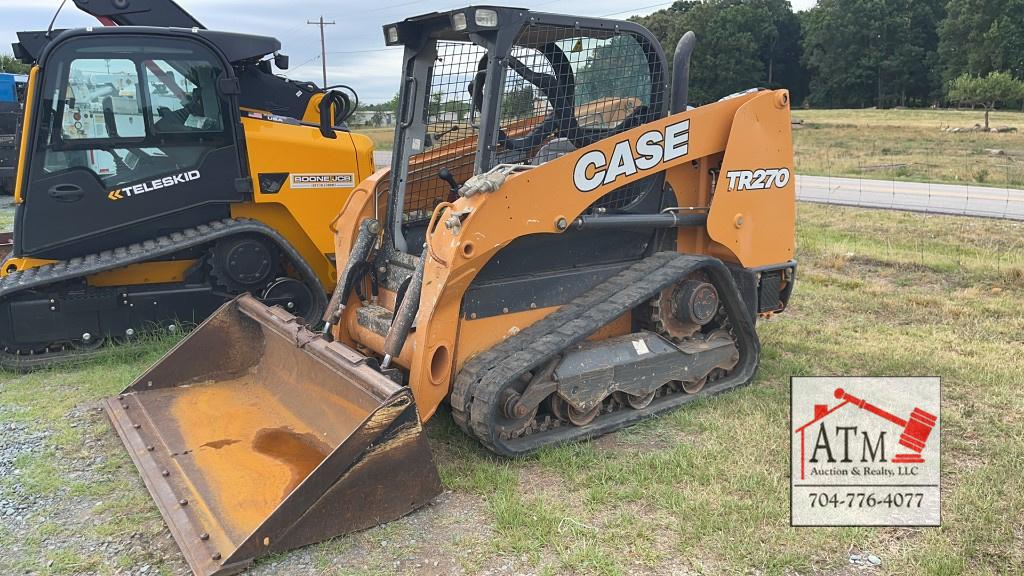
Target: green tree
(982,36)
(881,52)
(392,104)
(988,91)
(741,44)
(459,107)
(434,106)
(11,64)
(389,106)
(615,68)
(517,103)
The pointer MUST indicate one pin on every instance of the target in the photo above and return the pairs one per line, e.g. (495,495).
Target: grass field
(894,144)
(6,220)
(703,490)
(910,145)
(383,138)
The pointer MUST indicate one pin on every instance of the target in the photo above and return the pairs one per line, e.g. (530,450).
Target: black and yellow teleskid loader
(164,171)
(561,248)
(260,88)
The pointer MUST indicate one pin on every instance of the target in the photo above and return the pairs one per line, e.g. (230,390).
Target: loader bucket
(254,435)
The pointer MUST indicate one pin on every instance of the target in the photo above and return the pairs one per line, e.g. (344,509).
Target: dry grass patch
(702,490)
(383,138)
(910,145)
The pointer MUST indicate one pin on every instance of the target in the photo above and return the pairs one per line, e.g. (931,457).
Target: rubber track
(477,388)
(145,251)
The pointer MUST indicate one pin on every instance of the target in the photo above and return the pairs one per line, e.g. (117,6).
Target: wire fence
(972,175)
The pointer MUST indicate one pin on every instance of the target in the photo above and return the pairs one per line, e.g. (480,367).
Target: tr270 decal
(758,179)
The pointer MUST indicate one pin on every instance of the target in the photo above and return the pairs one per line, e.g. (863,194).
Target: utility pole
(323,47)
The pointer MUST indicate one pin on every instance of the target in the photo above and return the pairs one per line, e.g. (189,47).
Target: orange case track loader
(560,248)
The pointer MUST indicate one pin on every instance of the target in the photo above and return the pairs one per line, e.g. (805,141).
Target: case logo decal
(165,182)
(758,179)
(652,148)
(341,180)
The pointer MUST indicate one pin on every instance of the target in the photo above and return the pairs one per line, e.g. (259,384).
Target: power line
(636,9)
(393,6)
(323,45)
(388,49)
(289,31)
(292,37)
(292,69)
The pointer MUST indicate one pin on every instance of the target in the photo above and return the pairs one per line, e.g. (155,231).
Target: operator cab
(128,126)
(486,86)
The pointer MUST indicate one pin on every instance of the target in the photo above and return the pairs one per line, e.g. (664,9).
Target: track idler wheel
(515,416)
(243,263)
(568,413)
(640,402)
(694,387)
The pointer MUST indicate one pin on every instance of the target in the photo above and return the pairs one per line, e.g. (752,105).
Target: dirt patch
(433,541)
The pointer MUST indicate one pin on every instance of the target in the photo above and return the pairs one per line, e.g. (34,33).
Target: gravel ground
(15,441)
(77,517)
(68,517)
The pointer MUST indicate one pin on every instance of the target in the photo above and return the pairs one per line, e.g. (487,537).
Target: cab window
(183,96)
(128,111)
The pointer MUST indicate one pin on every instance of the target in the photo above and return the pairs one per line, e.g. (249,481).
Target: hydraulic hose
(405,314)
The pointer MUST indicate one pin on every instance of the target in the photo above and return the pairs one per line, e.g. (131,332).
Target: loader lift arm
(139,13)
(143,13)
(261,89)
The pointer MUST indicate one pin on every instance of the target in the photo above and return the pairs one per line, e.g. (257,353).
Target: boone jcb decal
(165,182)
(652,148)
(343,180)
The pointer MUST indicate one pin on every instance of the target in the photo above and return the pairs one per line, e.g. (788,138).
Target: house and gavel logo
(865,451)
(841,443)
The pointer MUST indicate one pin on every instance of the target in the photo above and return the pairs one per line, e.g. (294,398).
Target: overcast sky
(355,45)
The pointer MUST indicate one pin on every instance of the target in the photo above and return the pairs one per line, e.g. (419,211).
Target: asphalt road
(963,199)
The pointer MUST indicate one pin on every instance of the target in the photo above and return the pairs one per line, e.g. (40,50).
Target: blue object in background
(8,88)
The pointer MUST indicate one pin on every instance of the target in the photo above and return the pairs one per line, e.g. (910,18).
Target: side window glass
(130,112)
(184,96)
(613,79)
(562,92)
(102,101)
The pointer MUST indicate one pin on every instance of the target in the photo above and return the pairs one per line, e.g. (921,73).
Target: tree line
(853,53)
(12,65)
